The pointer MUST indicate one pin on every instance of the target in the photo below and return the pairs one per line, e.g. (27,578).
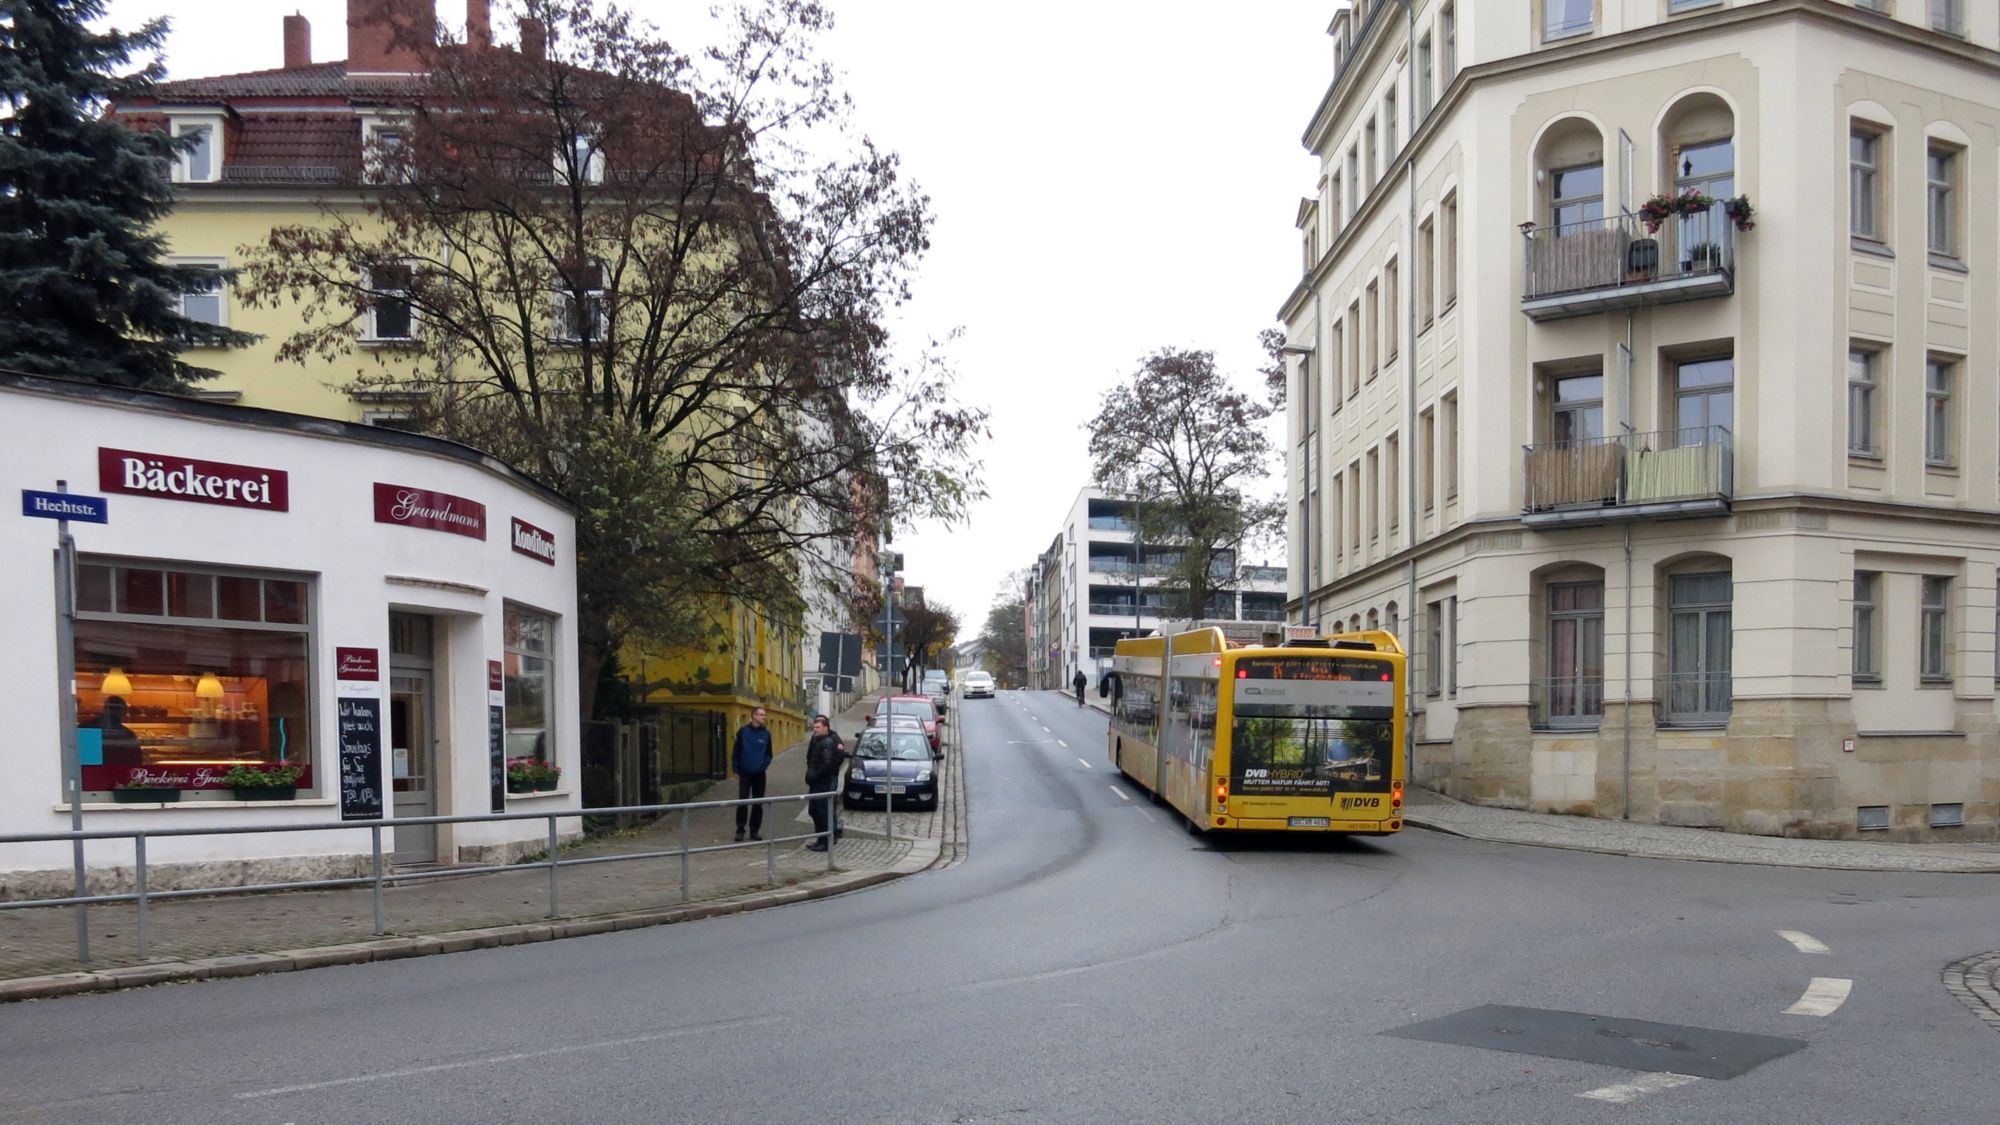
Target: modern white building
(391,615)
(1691,512)
(1097,584)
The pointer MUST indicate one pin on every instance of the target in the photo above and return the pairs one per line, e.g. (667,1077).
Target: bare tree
(1188,447)
(636,273)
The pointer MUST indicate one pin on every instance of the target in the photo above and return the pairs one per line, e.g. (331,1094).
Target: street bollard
(375,846)
(139,862)
(553,868)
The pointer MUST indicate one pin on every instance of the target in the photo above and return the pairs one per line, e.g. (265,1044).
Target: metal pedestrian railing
(378,877)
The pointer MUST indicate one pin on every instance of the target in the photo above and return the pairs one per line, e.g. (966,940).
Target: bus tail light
(1221,792)
(1222,822)
(1396,795)
(1395,826)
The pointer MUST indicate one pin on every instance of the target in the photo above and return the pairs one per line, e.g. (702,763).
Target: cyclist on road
(1079,682)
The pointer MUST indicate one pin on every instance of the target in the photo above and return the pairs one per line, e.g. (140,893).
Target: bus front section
(1312,744)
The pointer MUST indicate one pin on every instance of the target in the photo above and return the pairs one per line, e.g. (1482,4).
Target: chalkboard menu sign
(496,751)
(360,759)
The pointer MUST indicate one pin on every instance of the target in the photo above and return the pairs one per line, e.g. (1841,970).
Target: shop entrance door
(412,736)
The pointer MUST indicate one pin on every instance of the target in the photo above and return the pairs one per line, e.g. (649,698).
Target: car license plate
(1307,822)
(892,788)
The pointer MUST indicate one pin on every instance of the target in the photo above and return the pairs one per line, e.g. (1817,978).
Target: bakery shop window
(182,673)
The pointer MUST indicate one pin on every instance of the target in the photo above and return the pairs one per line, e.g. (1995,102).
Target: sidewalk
(1439,813)
(236,935)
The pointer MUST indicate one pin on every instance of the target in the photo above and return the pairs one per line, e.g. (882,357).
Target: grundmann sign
(169,477)
(437,511)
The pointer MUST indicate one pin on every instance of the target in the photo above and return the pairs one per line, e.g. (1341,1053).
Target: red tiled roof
(318,80)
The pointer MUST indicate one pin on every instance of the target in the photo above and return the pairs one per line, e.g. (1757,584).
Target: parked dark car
(895,763)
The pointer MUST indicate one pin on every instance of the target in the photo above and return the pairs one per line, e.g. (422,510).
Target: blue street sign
(64,506)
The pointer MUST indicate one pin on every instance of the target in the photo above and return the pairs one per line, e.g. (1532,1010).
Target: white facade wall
(359,570)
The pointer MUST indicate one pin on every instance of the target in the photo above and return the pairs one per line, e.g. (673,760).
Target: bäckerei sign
(437,511)
(168,477)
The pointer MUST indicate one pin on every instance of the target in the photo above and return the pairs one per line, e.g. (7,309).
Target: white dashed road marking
(1805,942)
(1061,743)
(1639,1087)
(1121,793)
(1148,816)
(1086,765)
(1823,997)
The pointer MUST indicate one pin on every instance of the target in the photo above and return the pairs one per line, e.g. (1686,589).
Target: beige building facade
(1689,513)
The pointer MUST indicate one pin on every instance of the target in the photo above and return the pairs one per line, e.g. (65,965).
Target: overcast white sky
(1109,177)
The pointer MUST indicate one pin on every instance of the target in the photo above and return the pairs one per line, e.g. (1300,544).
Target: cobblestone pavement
(36,942)
(1976,982)
(1659,841)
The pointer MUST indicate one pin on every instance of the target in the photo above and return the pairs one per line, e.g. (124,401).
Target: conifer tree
(85,286)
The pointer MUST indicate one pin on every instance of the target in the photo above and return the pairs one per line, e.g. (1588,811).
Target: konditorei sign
(167,476)
(532,541)
(436,511)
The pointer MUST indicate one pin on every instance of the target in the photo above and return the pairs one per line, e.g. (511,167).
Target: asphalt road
(1090,961)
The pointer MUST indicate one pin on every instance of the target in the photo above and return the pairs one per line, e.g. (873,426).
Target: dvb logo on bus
(1361,802)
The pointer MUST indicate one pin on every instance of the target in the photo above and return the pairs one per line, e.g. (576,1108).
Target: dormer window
(201,161)
(384,156)
(582,158)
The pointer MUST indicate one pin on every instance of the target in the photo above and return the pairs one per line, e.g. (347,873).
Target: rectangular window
(1426,273)
(198,160)
(1356,189)
(1448,41)
(1699,685)
(1354,332)
(529,649)
(1948,16)
(1337,203)
(391,311)
(1864,148)
(581,160)
(182,672)
(385,157)
(1434,655)
(1392,325)
(1867,647)
(580,305)
(1448,259)
(1354,506)
(1576,198)
(1451,666)
(1564,18)
(1426,75)
(1861,419)
(1675,7)
(1392,485)
(1371,138)
(209,305)
(1934,667)
(1374,324)
(1374,486)
(1390,145)
(1941,201)
(1338,354)
(1427,459)
(1939,446)
(1337,524)
(1449,406)
(1573,693)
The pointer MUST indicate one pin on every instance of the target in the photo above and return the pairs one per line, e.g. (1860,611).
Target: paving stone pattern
(1976,982)
(36,942)
(1659,841)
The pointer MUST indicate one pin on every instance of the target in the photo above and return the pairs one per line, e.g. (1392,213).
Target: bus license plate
(1308,822)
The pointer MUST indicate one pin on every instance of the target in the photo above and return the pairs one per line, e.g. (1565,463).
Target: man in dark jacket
(751,759)
(824,755)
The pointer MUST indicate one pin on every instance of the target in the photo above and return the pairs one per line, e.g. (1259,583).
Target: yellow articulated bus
(1301,737)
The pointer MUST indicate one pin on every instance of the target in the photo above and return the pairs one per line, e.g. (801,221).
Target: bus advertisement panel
(1312,726)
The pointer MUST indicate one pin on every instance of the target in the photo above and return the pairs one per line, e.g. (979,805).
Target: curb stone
(1418,820)
(1976,983)
(923,855)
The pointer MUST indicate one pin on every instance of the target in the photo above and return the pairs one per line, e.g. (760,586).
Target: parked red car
(916,707)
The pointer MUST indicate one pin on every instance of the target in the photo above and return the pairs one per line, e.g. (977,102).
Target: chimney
(387,36)
(534,39)
(298,42)
(478,24)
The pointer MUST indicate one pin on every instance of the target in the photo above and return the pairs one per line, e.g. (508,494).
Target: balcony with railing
(1667,474)
(1111,523)
(1616,263)
(1566,703)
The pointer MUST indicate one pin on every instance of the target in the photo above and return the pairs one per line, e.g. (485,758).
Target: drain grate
(1631,1044)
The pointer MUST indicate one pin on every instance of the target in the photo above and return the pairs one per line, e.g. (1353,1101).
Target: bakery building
(370,622)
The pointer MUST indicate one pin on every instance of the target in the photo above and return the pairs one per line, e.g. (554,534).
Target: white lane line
(1121,793)
(1061,743)
(1086,765)
(1639,1087)
(495,1060)
(1805,942)
(1147,815)
(1823,997)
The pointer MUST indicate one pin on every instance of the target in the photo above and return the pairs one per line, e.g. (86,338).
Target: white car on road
(976,685)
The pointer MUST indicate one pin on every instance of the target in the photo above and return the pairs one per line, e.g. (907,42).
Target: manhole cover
(1631,1044)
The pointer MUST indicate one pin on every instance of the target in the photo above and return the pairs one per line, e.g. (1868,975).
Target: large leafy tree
(659,281)
(1190,447)
(1005,636)
(928,630)
(85,287)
